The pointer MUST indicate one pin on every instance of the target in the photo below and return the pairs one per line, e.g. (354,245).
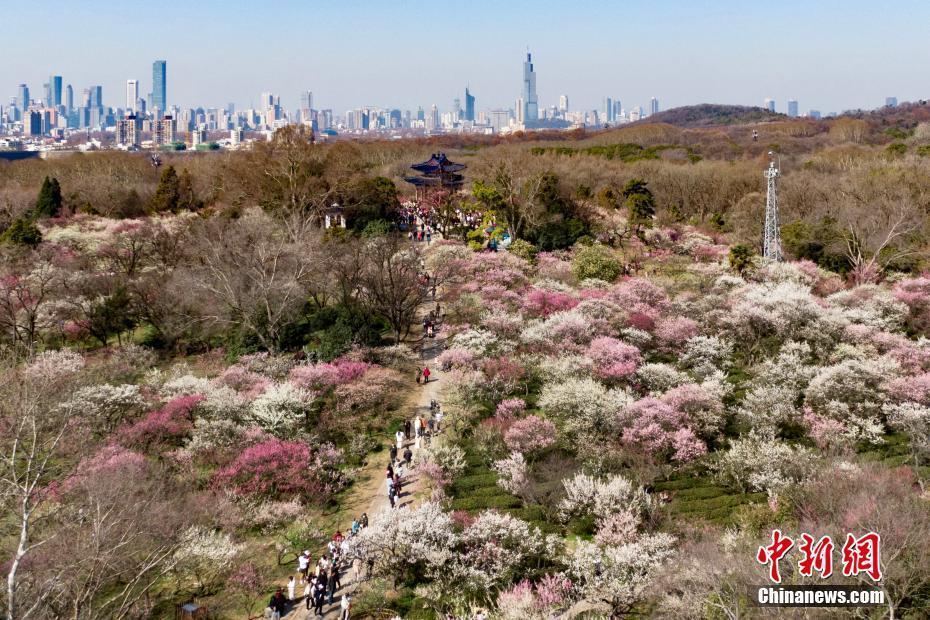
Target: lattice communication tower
(771,241)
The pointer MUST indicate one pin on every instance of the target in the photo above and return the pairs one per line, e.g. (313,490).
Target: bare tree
(255,275)
(33,426)
(393,284)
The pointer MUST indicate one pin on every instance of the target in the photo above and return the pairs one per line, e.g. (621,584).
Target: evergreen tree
(22,232)
(48,203)
(640,204)
(187,198)
(740,258)
(168,193)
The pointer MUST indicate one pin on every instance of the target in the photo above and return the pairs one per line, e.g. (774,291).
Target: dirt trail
(372,497)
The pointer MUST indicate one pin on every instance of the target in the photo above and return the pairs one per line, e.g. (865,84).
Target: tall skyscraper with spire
(530,102)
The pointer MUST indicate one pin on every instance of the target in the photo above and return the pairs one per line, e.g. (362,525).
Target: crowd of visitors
(321,580)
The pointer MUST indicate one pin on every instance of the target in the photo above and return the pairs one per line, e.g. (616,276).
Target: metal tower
(771,240)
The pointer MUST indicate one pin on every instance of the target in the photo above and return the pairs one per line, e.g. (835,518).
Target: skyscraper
(23,97)
(96,96)
(609,109)
(563,104)
(530,102)
(469,105)
(160,85)
(132,94)
(793,108)
(891,102)
(653,106)
(69,99)
(769,104)
(54,90)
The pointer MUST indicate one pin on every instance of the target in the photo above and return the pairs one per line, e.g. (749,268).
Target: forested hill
(710,114)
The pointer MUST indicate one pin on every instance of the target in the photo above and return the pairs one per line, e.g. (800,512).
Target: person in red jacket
(426,374)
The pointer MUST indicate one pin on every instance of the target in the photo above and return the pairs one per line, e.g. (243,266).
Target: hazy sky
(828,54)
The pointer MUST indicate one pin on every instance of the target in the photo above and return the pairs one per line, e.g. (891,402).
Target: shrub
(596,261)
(524,249)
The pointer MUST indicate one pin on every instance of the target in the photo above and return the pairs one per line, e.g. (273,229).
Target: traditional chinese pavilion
(437,172)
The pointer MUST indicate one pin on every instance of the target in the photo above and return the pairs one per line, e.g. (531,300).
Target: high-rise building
(609,109)
(793,108)
(163,130)
(433,117)
(96,96)
(132,94)
(54,91)
(814,114)
(769,104)
(159,97)
(653,106)
(22,95)
(456,109)
(563,104)
(69,99)
(469,105)
(128,131)
(891,102)
(499,119)
(32,123)
(530,102)
(306,100)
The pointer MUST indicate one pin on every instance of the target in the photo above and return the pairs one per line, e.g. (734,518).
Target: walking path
(379,502)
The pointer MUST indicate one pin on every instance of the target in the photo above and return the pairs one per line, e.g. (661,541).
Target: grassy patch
(700,498)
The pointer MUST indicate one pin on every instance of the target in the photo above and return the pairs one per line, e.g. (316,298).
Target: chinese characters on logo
(860,555)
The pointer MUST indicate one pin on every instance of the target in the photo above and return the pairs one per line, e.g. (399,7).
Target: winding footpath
(377,501)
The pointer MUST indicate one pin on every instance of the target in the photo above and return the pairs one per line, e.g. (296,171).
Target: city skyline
(583,57)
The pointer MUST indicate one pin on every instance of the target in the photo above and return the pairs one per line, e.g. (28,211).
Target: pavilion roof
(438,163)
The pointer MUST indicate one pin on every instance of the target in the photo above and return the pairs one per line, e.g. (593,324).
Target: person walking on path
(426,374)
(400,439)
(393,453)
(320,594)
(407,427)
(278,604)
(345,606)
(291,588)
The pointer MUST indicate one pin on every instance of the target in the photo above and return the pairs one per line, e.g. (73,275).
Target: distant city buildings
(814,114)
(891,102)
(793,108)
(769,104)
(653,106)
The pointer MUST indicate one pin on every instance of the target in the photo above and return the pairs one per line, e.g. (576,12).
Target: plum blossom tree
(613,359)
(276,468)
(757,463)
(582,407)
(618,577)
(852,392)
(403,539)
(530,434)
(512,474)
(661,430)
(589,496)
(280,409)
